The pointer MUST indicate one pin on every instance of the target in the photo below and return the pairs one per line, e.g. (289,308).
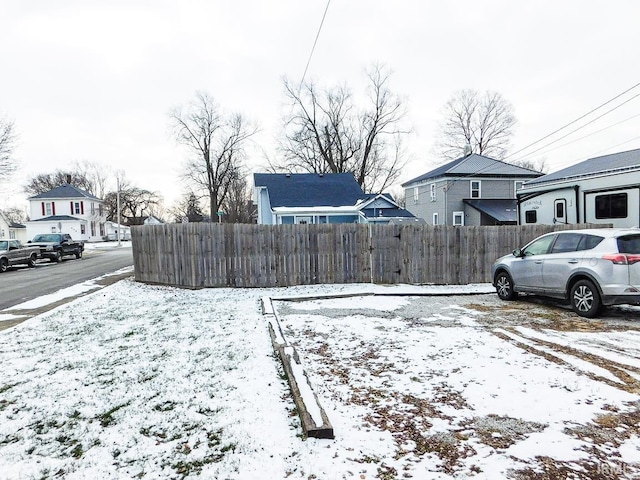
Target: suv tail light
(622,258)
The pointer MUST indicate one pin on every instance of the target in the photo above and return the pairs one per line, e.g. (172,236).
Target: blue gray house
(299,198)
(471,190)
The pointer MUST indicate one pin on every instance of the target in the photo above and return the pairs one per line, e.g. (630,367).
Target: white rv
(599,190)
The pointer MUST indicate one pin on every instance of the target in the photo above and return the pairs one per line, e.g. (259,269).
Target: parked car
(54,246)
(587,268)
(12,252)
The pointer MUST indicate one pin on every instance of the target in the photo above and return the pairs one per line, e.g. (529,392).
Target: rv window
(611,206)
(531,216)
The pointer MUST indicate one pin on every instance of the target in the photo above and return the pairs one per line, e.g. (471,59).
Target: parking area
(472,385)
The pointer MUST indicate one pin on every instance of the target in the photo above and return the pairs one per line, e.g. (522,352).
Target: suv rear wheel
(585,299)
(504,286)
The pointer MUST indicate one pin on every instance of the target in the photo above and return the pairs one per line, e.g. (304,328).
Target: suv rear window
(589,242)
(629,244)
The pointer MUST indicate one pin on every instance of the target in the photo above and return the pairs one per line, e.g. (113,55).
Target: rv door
(560,211)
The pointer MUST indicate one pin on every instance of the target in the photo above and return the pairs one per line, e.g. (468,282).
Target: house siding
(450,194)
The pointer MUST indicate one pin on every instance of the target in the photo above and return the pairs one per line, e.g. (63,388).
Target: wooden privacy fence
(197,255)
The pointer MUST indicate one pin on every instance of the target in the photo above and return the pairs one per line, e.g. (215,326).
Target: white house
(111,230)
(12,230)
(603,189)
(67,209)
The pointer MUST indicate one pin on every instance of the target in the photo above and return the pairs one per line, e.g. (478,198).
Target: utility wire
(583,137)
(582,126)
(314,43)
(574,121)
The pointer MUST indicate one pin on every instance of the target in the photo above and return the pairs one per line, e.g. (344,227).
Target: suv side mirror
(517,253)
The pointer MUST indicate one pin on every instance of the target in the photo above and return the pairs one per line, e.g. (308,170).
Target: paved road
(20,284)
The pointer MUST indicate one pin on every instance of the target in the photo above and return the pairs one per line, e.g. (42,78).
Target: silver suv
(589,268)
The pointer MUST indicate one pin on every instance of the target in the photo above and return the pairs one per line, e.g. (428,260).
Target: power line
(574,121)
(582,126)
(315,42)
(584,136)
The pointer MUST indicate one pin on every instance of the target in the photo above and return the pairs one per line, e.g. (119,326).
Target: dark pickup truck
(54,246)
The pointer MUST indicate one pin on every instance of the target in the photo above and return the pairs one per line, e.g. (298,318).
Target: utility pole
(119,230)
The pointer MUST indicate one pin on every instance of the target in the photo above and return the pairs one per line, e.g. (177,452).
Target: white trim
(458,214)
(515,187)
(471,189)
(435,220)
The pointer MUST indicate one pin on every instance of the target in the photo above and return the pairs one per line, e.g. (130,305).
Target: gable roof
(614,162)
(310,189)
(65,191)
(477,166)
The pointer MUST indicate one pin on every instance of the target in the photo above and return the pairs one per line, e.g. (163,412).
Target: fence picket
(234,255)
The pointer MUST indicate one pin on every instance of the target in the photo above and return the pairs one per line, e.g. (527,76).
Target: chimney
(68,179)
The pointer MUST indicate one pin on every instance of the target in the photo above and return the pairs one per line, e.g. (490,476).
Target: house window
(100,209)
(433,192)
(435,219)
(531,216)
(82,229)
(475,188)
(12,234)
(93,208)
(93,229)
(304,220)
(48,209)
(102,229)
(415,194)
(611,206)
(458,218)
(76,208)
(54,230)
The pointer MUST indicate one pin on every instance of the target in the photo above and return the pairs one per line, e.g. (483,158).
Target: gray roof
(502,210)
(65,191)
(594,166)
(475,165)
(57,218)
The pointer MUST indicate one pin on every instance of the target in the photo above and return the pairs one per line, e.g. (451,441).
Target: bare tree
(327,132)
(7,144)
(15,214)
(188,207)
(92,177)
(484,121)
(135,204)
(218,143)
(44,182)
(238,207)
(97,176)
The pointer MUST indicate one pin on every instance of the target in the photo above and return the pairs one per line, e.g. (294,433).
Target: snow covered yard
(137,381)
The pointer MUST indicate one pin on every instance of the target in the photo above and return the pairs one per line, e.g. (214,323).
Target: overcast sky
(88,80)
